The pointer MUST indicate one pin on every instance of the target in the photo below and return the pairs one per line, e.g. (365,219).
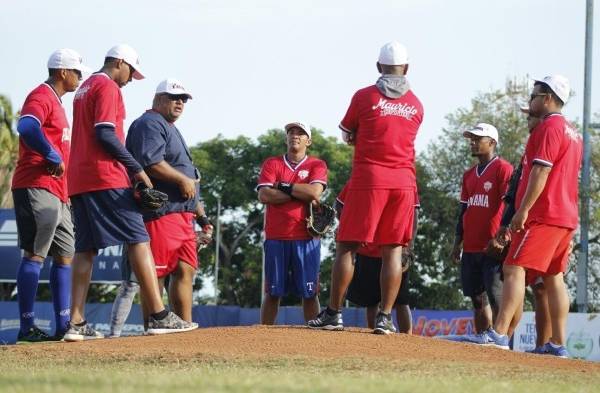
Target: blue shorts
(292,266)
(107,218)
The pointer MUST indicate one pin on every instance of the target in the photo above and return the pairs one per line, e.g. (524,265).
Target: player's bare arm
(535,186)
(307,192)
(458,237)
(273,196)
(165,172)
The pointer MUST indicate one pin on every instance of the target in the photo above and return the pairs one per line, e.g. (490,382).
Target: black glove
(320,219)
(149,198)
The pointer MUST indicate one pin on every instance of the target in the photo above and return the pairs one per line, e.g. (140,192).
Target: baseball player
(382,122)
(287,184)
(364,289)
(104,208)
(158,146)
(481,207)
(39,188)
(546,214)
(533,280)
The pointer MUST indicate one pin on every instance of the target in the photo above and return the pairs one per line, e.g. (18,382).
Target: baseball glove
(408,258)
(203,239)
(320,219)
(497,249)
(149,198)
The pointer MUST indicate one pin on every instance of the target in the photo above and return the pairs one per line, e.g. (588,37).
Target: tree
(9,148)
(229,169)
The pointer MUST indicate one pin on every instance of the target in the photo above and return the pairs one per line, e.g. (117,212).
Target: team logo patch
(303,174)
(487,186)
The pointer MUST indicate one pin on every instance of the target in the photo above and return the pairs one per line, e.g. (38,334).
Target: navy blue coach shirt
(152,139)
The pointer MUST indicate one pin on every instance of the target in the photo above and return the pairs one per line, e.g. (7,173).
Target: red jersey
(385,130)
(98,101)
(554,143)
(369,250)
(483,191)
(44,105)
(287,221)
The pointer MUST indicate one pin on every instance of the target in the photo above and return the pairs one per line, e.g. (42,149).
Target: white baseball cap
(129,56)
(393,53)
(559,85)
(172,86)
(303,126)
(67,59)
(483,129)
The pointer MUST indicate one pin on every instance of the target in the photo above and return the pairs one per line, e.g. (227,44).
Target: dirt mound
(285,342)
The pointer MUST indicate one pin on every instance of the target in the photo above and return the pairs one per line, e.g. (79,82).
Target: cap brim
(84,69)
(138,75)
(524,109)
(468,133)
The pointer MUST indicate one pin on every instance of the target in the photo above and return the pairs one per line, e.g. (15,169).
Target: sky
(257,65)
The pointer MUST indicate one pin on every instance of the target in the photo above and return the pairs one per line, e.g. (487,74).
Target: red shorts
(542,248)
(381,217)
(172,239)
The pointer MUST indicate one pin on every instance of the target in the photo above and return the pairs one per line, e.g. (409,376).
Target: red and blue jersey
(384,130)
(44,105)
(482,192)
(287,221)
(556,144)
(98,101)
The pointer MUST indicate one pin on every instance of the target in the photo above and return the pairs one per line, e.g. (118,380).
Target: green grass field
(86,374)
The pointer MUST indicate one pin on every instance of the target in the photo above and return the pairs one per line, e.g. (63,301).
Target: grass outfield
(284,375)
(285,359)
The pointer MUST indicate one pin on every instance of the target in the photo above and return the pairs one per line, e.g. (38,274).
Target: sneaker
(34,335)
(169,324)
(325,321)
(489,338)
(384,324)
(549,349)
(537,350)
(81,333)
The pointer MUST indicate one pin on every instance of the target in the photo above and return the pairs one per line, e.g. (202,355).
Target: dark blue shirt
(152,139)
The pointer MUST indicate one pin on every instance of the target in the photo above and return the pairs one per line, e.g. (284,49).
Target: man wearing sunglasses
(40,195)
(546,215)
(158,146)
(104,208)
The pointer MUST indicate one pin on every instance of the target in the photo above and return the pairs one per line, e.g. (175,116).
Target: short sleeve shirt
(556,144)
(98,101)
(482,192)
(44,105)
(287,221)
(152,139)
(385,130)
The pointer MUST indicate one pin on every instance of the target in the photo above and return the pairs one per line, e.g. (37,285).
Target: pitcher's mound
(295,342)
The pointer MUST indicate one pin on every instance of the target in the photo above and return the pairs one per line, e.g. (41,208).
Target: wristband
(285,187)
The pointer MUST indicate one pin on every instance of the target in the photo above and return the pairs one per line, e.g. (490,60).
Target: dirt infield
(287,342)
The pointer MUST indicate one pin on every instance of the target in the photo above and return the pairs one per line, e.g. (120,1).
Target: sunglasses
(533,96)
(78,73)
(177,97)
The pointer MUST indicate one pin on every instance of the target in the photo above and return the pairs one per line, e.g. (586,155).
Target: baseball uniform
(544,244)
(379,208)
(292,256)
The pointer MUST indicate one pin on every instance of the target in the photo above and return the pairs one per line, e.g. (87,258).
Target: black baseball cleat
(34,335)
(384,324)
(326,321)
